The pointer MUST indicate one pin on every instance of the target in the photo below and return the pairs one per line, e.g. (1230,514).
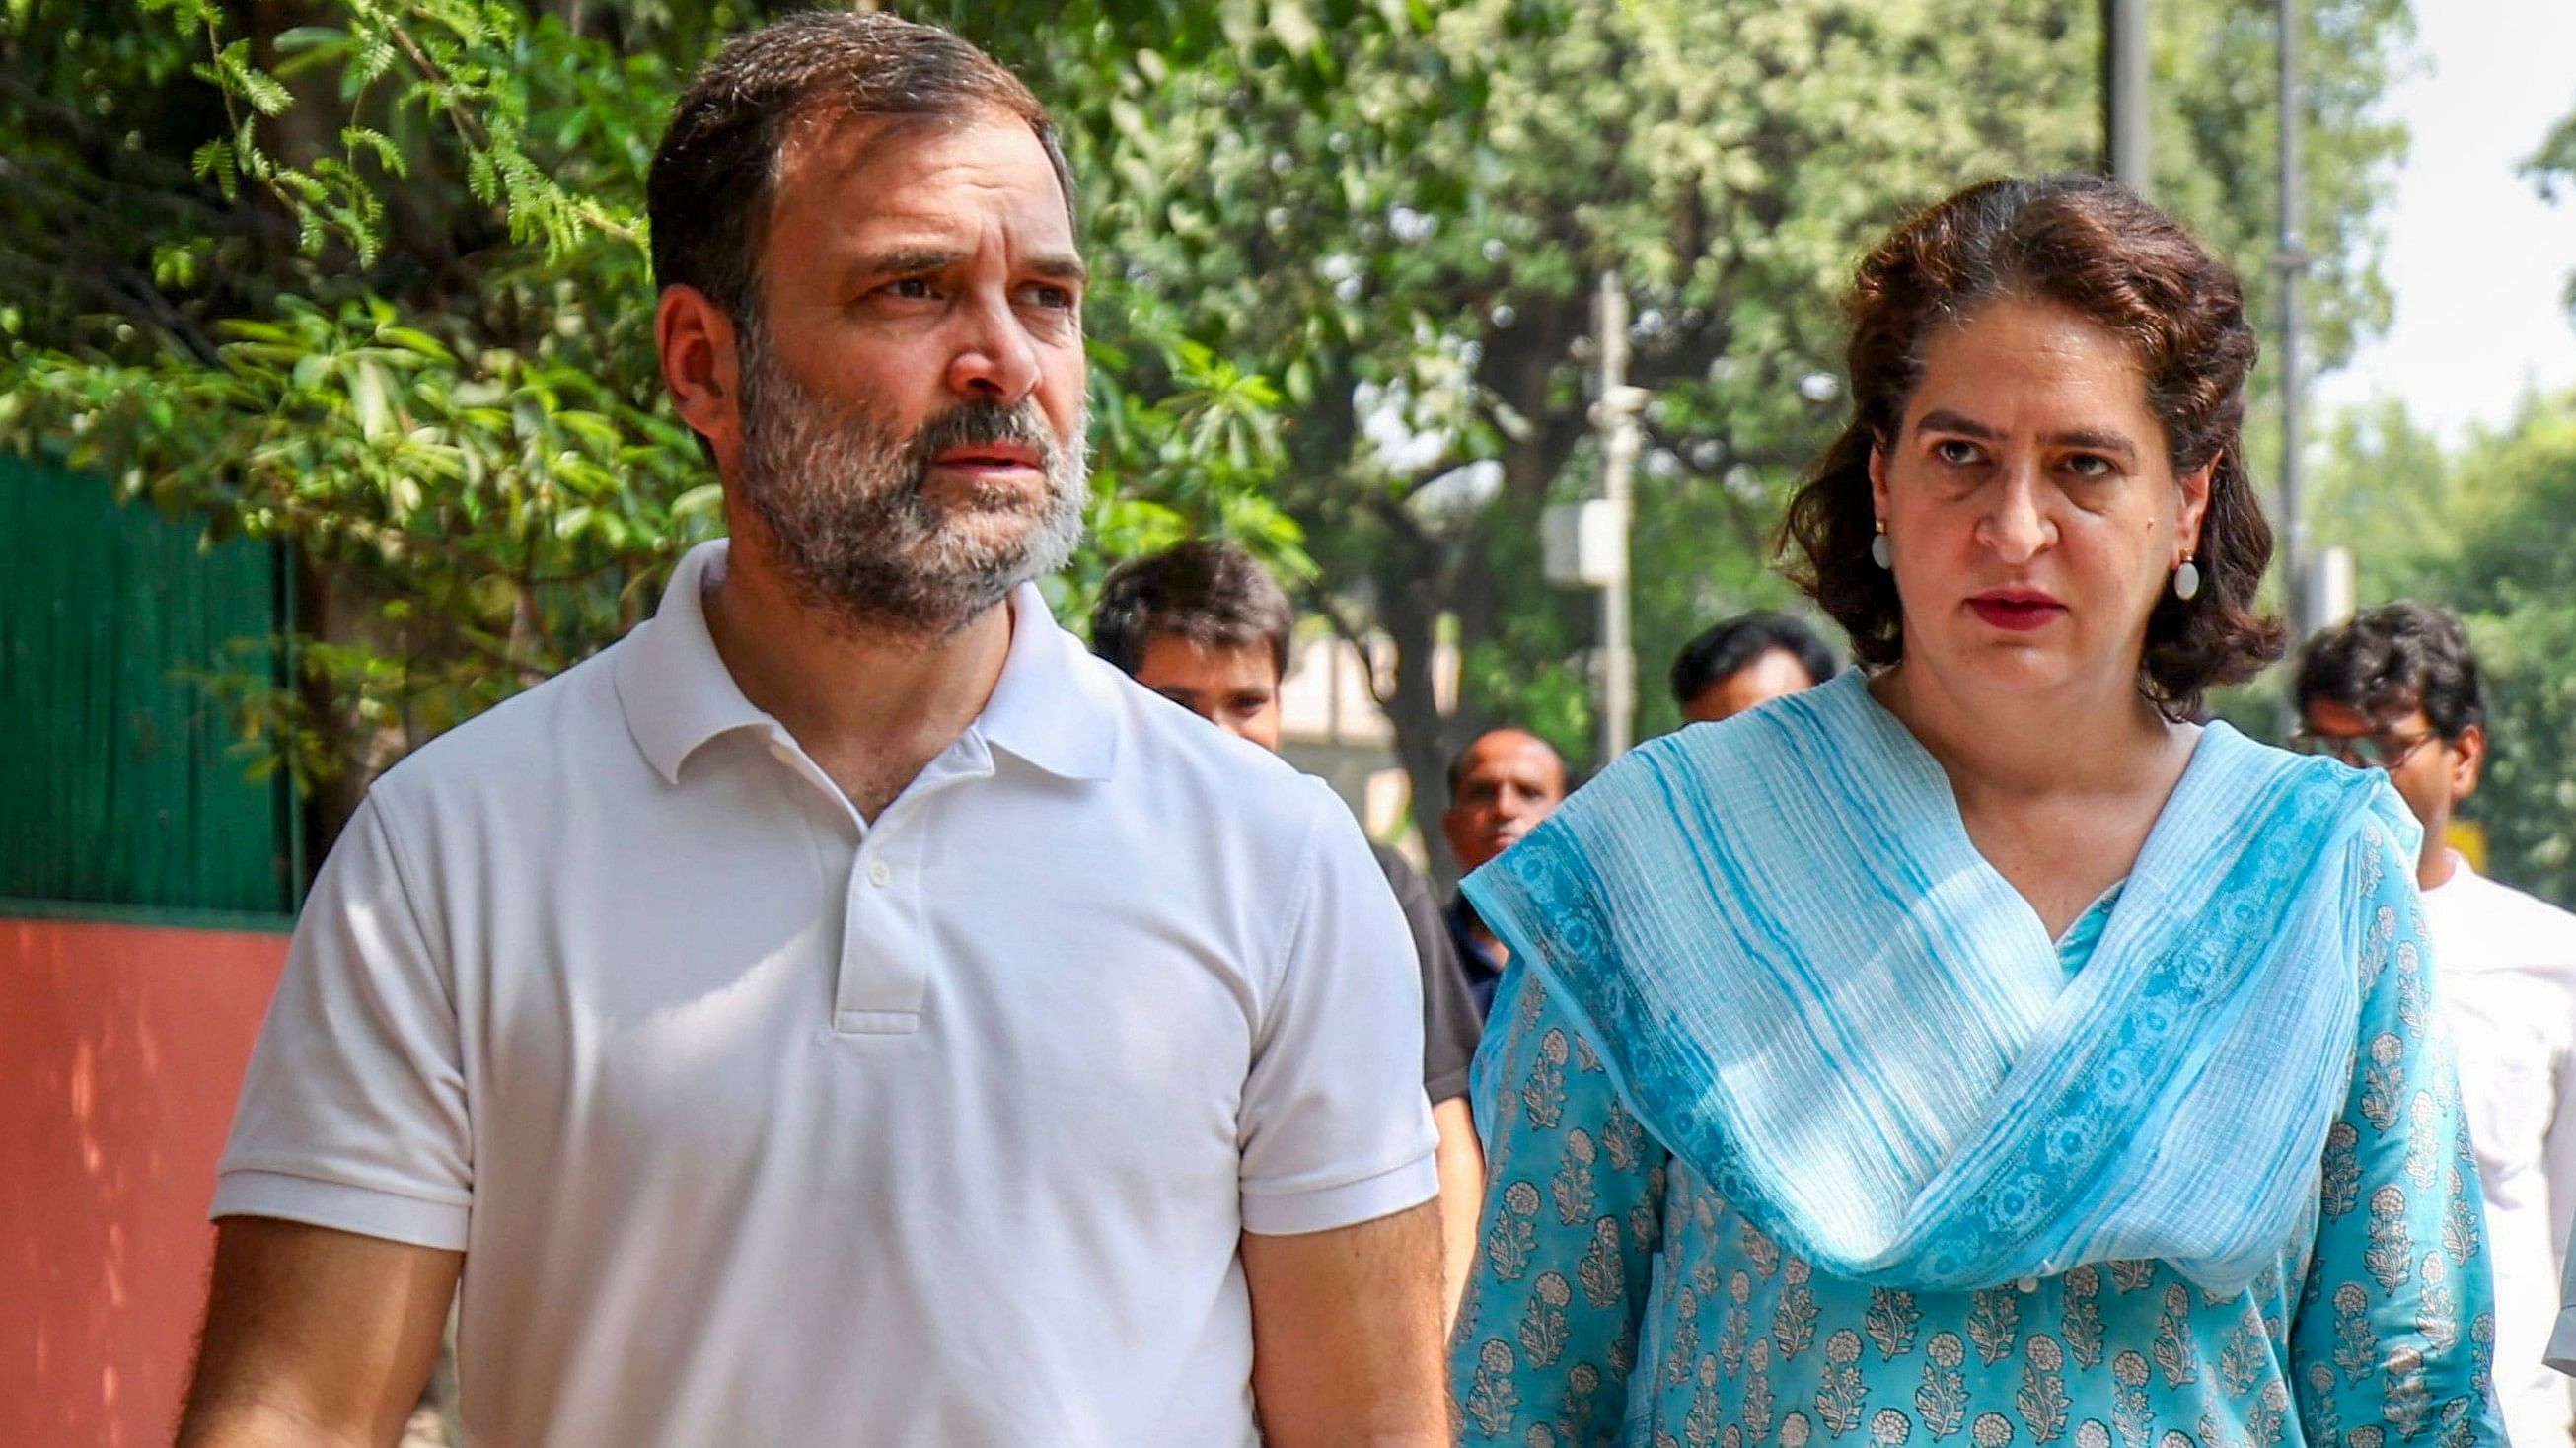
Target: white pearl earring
(1878,548)
(2186,580)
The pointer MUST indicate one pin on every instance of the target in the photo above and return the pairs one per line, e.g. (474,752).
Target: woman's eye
(1954,451)
(2089,466)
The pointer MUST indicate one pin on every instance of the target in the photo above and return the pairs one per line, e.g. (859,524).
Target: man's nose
(996,361)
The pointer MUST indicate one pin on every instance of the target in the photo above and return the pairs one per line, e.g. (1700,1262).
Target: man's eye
(911,288)
(1049,296)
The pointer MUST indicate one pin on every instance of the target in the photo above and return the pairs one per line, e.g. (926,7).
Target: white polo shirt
(758,1124)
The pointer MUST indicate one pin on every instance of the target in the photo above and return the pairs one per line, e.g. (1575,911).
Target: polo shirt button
(880,873)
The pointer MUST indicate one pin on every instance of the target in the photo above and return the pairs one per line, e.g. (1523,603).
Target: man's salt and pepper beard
(846,501)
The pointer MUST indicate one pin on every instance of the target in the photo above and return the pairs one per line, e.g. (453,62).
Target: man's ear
(702,367)
(2468,757)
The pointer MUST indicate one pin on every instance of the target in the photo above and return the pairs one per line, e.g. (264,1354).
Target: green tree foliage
(1412,253)
(2386,491)
(1348,247)
(2513,574)
(2480,529)
(2505,565)
(376,285)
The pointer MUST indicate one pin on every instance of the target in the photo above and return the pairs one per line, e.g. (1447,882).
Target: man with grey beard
(844,1010)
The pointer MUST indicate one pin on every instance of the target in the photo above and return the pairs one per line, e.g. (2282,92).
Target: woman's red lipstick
(2017,609)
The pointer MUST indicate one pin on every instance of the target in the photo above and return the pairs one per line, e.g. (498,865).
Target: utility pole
(2126,60)
(2291,261)
(1614,417)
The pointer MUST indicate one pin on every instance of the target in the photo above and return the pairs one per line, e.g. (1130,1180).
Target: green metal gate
(118,783)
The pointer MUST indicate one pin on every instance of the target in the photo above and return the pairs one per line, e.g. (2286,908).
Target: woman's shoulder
(2379,824)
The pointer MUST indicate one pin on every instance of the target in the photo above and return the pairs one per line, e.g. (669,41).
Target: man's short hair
(1458,761)
(1213,594)
(2393,659)
(1733,646)
(714,180)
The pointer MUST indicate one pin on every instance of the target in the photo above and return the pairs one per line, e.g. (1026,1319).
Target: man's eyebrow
(1062,267)
(919,260)
(903,261)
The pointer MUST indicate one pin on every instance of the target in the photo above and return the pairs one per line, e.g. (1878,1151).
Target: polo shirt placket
(883,966)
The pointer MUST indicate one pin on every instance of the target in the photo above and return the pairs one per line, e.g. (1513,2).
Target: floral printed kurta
(1619,1300)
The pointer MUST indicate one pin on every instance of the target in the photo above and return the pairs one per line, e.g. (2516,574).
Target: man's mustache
(972,423)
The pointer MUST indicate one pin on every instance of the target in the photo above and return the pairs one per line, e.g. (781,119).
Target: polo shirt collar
(672,683)
(1054,706)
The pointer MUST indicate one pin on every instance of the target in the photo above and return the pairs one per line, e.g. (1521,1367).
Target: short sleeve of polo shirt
(1334,1128)
(353,1114)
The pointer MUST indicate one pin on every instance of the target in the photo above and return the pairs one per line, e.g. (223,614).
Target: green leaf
(412,339)
(369,393)
(703,501)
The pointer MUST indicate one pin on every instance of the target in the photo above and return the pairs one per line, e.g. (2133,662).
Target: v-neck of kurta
(2075,947)
(1946,823)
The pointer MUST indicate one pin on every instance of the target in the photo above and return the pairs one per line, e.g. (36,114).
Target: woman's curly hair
(2086,244)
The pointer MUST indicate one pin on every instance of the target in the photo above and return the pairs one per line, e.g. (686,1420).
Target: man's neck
(2437,865)
(872,708)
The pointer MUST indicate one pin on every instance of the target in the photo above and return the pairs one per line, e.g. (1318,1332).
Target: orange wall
(121,1050)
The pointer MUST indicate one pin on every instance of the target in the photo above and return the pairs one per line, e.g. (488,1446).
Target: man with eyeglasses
(2397,689)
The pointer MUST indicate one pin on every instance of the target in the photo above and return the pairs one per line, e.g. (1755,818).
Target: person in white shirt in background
(2562,1340)
(2397,689)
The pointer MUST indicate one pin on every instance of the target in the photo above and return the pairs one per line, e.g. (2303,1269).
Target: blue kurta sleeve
(1547,1334)
(2394,1338)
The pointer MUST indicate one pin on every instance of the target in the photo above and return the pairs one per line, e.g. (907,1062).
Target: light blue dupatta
(1813,989)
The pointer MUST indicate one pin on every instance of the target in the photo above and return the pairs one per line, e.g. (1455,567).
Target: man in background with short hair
(1205,625)
(843,1010)
(1500,786)
(2397,689)
(1745,661)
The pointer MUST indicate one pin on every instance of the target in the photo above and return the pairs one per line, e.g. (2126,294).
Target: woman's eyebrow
(2096,441)
(1942,419)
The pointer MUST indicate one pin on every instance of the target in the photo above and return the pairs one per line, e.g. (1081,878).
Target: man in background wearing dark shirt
(1500,787)
(1205,626)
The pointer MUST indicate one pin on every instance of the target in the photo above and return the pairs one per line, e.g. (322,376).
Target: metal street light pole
(2291,261)
(1614,416)
(2126,56)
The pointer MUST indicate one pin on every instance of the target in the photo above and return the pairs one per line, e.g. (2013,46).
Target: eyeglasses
(2362,751)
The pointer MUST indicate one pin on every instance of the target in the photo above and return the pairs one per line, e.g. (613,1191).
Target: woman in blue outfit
(1973,1049)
